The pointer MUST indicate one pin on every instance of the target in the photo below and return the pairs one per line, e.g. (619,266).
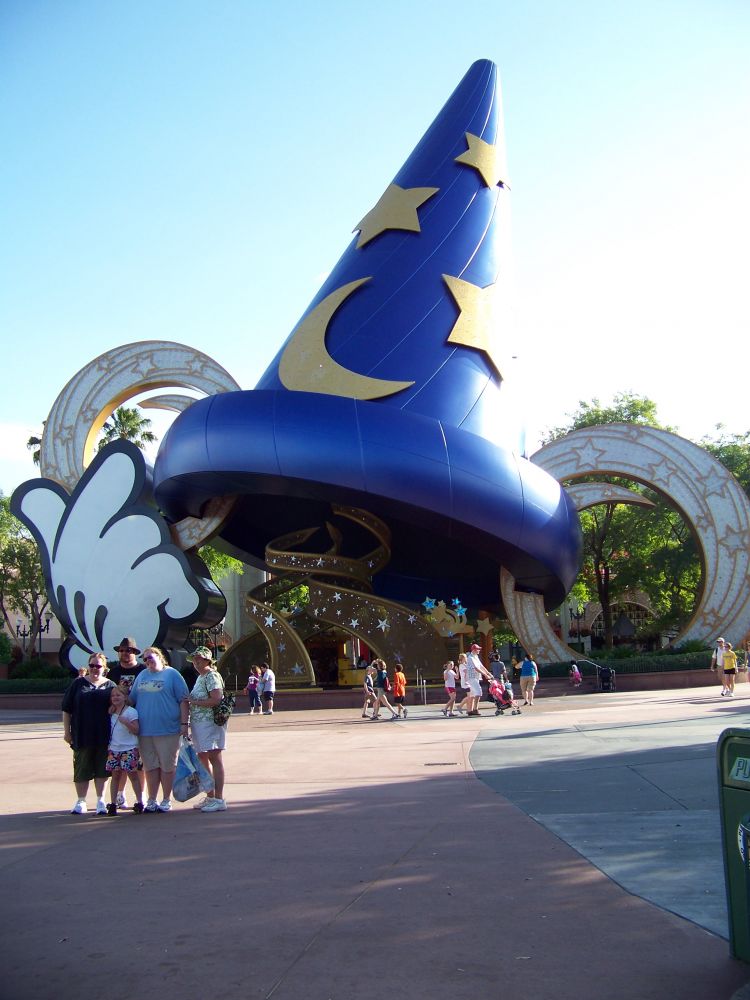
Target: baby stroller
(606,679)
(502,695)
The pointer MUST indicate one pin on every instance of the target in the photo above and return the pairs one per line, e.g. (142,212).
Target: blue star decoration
(428,603)
(297,669)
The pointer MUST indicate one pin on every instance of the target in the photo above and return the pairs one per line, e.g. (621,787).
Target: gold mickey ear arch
(706,494)
(94,393)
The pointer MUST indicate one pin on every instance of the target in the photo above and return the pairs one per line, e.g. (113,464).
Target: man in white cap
(717,663)
(475,671)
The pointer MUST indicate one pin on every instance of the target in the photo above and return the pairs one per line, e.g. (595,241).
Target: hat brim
(458,506)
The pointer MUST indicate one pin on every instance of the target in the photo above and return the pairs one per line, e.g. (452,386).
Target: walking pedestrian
(529,678)
(369,689)
(399,690)
(268,680)
(475,671)
(730,669)
(382,685)
(252,690)
(717,663)
(449,677)
(465,704)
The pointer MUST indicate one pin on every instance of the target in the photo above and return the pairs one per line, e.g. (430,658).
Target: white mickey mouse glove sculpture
(110,565)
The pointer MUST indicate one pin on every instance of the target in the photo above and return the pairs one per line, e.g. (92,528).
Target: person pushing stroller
(502,695)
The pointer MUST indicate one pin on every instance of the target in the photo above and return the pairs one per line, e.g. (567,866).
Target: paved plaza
(570,852)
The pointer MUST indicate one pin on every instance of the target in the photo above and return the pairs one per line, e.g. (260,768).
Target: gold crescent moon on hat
(306,365)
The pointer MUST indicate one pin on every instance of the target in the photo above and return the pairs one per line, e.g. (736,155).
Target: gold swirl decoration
(280,558)
(94,393)
(389,629)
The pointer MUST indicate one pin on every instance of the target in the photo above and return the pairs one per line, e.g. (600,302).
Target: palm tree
(128,424)
(34,444)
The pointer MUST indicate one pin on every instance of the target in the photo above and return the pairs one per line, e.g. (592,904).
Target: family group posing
(127,721)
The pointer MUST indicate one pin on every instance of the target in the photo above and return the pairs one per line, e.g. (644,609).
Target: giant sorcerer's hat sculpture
(383,416)
(387,396)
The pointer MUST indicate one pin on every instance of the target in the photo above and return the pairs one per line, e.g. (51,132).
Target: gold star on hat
(476,322)
(485,158)
(396,209)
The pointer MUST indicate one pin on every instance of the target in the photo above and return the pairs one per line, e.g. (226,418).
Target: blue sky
(190,171)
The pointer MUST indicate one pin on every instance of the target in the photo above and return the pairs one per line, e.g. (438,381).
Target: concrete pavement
(572,851)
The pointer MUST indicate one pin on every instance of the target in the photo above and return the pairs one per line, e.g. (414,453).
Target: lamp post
(44,628)
(208,637)
(577,614)
(23,632)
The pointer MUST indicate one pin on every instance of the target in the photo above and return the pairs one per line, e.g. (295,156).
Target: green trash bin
(733,760)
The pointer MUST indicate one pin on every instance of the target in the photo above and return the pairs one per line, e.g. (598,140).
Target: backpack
(224,709)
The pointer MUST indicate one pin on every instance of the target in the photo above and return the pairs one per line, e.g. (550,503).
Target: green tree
(625,408)
(22,590)
(127,423)
(626,547)
(733,451)
(219,563)
(34,444)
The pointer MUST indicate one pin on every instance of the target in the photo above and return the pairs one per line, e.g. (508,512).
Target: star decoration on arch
(396,209)
(486,158)
(475,324)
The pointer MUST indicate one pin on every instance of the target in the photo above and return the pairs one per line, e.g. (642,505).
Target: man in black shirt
(124,672)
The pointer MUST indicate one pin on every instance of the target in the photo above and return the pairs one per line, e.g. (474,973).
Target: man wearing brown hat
(127,667)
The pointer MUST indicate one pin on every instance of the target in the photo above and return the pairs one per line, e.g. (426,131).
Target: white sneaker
(200,803)
(406,712)
(80,807)
(164,806)
(101,808)
(122,802)
(151,806)
(214,805)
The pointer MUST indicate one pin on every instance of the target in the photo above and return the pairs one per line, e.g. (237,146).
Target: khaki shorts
(527,684)
(159,753)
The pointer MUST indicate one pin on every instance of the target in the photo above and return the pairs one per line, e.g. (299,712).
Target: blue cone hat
(387,395)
